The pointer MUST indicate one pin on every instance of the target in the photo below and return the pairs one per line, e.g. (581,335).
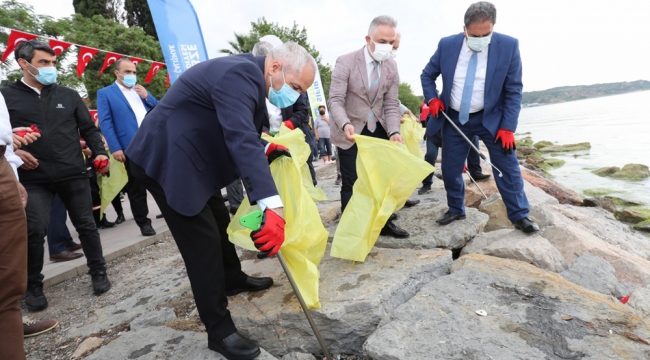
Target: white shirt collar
(367,56)
(122,87)
(31,87)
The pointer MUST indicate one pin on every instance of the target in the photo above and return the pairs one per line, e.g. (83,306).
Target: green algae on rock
(598,192)
(606,171)
(634,214)
(566,148)
(632,172)
(542,144)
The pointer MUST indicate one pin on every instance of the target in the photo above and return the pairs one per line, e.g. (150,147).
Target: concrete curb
(67,270)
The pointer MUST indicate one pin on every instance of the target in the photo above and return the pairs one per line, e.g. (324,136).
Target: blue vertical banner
(179,34)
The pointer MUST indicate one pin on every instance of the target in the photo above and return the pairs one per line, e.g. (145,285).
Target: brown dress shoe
(74,247)
(65,255)
(33,328)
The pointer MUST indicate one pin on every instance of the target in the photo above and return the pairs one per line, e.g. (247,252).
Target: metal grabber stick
(303,306)
(479,188)
(472,145)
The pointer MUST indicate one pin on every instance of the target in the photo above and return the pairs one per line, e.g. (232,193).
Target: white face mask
(478,43)
(382,51)
(393,54)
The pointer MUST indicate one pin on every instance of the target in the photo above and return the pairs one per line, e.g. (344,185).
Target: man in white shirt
(121,108)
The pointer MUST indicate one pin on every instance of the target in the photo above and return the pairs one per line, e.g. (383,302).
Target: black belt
(2,151)
(457,113)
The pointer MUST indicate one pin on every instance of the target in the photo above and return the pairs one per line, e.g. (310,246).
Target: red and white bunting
(15,38)
(110,58)
(85,55)
(136,60)
(59,46)
(93,114)
(155,66)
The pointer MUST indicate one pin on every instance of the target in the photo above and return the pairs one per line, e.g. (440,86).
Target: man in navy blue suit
(482,89)
(121,108)
(204,134)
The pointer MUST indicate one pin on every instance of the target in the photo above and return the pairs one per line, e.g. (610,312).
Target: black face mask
(322,112)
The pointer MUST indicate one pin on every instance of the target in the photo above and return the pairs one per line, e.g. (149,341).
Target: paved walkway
(118,241)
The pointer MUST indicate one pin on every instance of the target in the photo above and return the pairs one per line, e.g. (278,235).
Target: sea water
(618,129)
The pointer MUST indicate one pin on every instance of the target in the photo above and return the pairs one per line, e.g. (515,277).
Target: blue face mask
(129,80)
(284,97)
(46,75)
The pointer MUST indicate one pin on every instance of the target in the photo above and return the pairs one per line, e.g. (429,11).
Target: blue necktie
(466,100)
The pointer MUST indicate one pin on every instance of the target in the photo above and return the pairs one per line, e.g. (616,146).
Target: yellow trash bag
(412,132)
(305,235)
(109,187)
(294,140)
(387,174)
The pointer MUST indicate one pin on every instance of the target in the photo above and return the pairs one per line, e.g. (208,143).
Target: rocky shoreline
(474,289)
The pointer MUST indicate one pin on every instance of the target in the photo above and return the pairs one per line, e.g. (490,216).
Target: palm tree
(239,46)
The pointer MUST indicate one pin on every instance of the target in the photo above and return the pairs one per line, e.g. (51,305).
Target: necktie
(466,100)
(374,89)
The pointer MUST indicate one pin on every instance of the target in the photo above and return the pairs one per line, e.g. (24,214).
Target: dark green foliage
(408,99)
(138,14)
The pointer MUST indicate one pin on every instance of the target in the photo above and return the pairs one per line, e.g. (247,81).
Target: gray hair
(480,12)
(294,58)
(262,48)
(381,20)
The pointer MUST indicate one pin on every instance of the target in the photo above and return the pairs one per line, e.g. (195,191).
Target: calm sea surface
(618,128)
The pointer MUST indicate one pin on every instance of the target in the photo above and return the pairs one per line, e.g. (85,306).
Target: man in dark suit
(203,135)
(121,107)
(482,89)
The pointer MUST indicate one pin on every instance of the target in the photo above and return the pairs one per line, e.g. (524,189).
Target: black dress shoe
(35,300)
(100,283)
(235,347)
(393,217)
(393,230)
(105,224)
(480,176)
(147,230)
(424,189)
(411,203)
(448,218)
(251,284)
(526,225)
(159,216)
(120,218)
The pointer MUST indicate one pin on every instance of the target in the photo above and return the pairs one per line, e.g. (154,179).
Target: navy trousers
(456,149)
(434,143)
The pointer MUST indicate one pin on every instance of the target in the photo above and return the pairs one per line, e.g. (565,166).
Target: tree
(138,14)
(110,9)
(242,44)
(261,28)
(97,32)
(408,99)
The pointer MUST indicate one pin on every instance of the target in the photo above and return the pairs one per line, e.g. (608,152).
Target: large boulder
(515,245)
(594,273)
(529,314)
(643,226)
(635,214)
(601,202)
(355,298)
(565,148)
(474,193)
(573,241)
(606,171)
(563,194)
(640,300)
(426,233)
(632,172)
(542,144)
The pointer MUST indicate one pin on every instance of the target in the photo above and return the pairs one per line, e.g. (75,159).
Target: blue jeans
(58,235)
(325,146)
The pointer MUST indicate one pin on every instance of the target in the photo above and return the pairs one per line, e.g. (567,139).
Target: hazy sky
(562,42)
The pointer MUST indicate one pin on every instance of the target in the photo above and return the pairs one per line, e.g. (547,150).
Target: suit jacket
(349,99)
(503,86)
(205,133)
(298,114)
(117,118)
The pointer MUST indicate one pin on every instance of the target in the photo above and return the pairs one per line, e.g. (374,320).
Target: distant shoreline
(575,93)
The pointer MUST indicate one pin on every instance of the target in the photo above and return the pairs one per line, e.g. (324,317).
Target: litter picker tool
(253,221)
(472,145)
(479,188)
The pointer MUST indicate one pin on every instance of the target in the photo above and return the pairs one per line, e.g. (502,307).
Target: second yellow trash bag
(305,235)
(412,132)
(387,174)
(109,187)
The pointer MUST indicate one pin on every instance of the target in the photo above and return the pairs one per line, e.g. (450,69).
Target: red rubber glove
(435,106)
(507,141)
(269,237)
(288,124)
(465,169)
(34,128)
(274,151)
(99,165)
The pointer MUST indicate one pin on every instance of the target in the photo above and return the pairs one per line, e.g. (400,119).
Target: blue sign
(179,34)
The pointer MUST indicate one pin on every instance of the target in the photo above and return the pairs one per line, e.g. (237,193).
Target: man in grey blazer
(363,100)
